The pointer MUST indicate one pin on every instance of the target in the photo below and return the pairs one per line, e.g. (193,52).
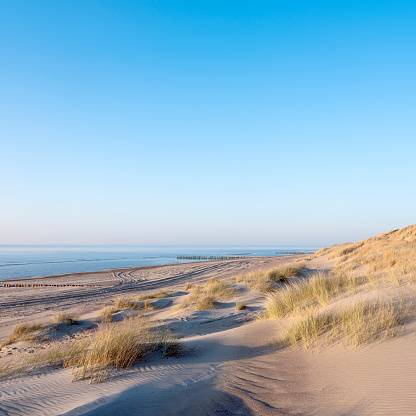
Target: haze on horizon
(167,122)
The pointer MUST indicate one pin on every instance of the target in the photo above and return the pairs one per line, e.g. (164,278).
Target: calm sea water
(33,261)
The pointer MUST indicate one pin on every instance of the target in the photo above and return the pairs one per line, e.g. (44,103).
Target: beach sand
(230,365)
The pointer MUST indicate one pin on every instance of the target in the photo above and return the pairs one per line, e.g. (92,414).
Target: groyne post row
(40,285)
(209,257)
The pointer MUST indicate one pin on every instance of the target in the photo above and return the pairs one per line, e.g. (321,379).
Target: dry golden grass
(117,345)
(319,289)
(394,250)
(157,295)
(21,331)
(264,280)
(64,317)
(359,324)
(126,303)
(206,297)
(188,286)
(205,303)
(107,314)
(239,306)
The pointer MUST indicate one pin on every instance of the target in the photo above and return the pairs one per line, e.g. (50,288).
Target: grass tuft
(21,331)
(64,317)
(239,306)
(107,314)
(359,324)
(126,303)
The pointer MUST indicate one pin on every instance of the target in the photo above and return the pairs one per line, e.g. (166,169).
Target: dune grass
(205,303)
(107,314)
(206,297)
(113,345)
(64,317)
(319,289)
(361,323)
(157,295)
(126,303)
(21,331)
(394,250)
(264,280)
(239,306)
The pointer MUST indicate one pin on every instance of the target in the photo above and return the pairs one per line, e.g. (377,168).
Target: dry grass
(64,317)
(157,295)
(394,250)
(319,289)
(188,286)
(239,306)
(264,280)
(359,324)
(21,331)
(107,314)
(126,303)
(206,297)
(117,345)
(205,303)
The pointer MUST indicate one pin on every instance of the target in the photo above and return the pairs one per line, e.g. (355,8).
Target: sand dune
(231,364)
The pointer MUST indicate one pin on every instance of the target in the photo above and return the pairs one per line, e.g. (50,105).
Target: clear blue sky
(206,122)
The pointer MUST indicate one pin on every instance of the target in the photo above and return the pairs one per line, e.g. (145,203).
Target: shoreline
(54,276)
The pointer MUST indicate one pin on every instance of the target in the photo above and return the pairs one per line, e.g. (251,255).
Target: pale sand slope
(231,369)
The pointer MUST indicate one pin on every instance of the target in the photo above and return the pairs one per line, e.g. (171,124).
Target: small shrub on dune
(188,286)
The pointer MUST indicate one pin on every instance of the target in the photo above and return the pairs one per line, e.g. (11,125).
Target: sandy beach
(230,363)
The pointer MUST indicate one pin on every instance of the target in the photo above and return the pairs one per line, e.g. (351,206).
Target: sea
(18,262)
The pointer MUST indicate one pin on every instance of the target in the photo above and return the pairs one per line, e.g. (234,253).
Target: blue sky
(206,122)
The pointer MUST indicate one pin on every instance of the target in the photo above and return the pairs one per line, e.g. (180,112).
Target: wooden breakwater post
(209,257)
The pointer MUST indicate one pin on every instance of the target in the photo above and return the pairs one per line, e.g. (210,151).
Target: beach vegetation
(22,331)
(361,323)
(264,280)
(239,306)
(65,318)
(107,313)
